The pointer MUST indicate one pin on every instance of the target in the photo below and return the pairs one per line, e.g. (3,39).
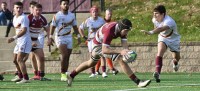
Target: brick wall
(145,60)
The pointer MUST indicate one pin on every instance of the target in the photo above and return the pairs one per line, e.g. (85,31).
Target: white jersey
(19,23)
(90,23)
(60,21)
(170,34)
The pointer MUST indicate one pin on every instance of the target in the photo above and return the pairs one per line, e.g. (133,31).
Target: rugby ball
(130,57)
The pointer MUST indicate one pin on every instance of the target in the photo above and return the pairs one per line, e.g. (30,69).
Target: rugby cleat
(63,77)
(156,75)
(144,83)
(16,79)
(69,79)
(23,81)
(104,75)
(92,76)
(115,72)
(97,73)
(35,78)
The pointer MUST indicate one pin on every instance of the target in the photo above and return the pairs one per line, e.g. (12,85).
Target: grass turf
(119,82)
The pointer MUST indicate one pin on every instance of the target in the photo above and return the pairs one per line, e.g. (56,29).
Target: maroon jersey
(107,33)
(36,25)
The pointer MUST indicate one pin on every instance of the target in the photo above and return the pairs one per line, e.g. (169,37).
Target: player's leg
(95,56)
(92,72)
(110,64)
(175,49)
(39,53)
(18,73)
(127,70)
(103,66)
(89,45)
(22,65)
(176,58)
(26,58)
(162,47)
(24,49)
(97,66)
(65,55)
(83,66)
(34,66)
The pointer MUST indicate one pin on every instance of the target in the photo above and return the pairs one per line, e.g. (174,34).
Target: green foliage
(186,13)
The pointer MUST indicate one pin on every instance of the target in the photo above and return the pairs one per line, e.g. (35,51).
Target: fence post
(102,3)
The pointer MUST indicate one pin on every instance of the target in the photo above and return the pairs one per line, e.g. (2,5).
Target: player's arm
(81,31)
(46,29)
(77,33)
(22,32)
(50,38)
(52,29)
(156,30)
(107,50)
(53,26)
(106,46)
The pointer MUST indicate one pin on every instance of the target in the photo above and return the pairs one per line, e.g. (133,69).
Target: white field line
(157,87)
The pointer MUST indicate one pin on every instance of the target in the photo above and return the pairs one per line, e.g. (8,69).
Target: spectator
(5,14)
(10,24)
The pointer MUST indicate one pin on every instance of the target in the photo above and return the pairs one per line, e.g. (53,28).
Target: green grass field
(119,82)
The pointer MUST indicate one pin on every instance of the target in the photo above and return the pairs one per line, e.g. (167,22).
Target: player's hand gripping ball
(130,57)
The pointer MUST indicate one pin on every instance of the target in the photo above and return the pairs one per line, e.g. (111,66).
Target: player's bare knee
(15,62)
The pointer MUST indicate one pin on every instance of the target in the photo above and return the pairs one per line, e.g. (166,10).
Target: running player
(62,23)
(101,46)
(168,38)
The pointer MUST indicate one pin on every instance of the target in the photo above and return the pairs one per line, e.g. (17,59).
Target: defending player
(37,24)
(62,23)
(101,46)
(92,24)
(168,38)
(23,40)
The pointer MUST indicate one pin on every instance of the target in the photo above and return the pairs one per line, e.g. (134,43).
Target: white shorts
(97,53)
(89,44)
(67,40)
(23,47)
(174,46)
(41,41)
